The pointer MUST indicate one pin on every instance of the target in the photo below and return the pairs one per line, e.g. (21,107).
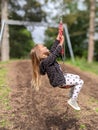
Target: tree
(31,10)
(5,41)
(20,41)
(91,31)
(77,21)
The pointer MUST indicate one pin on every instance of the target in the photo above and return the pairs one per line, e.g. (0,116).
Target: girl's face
(44,52)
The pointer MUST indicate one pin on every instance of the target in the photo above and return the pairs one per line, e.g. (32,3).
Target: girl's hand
(62,41)
(58,36)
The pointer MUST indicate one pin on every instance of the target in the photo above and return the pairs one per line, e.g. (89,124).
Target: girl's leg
(77,88)
(75,80)
(69,76)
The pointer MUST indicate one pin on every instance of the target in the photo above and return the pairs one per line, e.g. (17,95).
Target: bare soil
(47,109)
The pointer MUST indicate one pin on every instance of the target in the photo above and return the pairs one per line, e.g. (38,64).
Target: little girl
(44,62)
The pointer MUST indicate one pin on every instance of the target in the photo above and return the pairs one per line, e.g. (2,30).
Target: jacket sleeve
(52,57)
(55,44)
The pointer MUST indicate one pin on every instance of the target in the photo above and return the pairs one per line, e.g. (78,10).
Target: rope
(60,31)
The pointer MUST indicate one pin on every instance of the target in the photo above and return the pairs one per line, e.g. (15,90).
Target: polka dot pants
(75,80)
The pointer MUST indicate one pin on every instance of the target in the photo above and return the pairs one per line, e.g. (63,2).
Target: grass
(82,127)
(4,95)
(93,100)
(84,65)
(96,109)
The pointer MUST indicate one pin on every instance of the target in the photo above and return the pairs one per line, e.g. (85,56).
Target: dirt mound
(48,109)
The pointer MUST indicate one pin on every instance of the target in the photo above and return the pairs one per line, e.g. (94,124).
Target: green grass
(93,100)
(4,123)
(4,94)
(96,110)
(82,127)
(84,65)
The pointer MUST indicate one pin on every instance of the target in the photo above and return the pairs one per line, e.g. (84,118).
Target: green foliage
(78,33)
(20,42)
(77,21)
(84,65)
(78,24)
(20,39)
(72,5)
(51,34)
(32,10)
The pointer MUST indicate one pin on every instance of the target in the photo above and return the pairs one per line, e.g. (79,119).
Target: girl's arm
(52,57)
(55,44)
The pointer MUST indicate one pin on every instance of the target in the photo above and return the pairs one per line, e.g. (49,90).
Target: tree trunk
(5,38)
(91,31)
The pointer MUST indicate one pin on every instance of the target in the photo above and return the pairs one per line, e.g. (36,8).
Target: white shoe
(73,103)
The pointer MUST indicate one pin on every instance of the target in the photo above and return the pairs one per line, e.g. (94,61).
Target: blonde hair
(35,58)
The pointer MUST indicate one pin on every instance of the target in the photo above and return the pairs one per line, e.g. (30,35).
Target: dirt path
(48,109)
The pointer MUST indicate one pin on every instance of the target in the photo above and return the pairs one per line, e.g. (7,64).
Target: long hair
(34,54)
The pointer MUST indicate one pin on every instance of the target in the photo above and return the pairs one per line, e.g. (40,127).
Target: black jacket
(50,66)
